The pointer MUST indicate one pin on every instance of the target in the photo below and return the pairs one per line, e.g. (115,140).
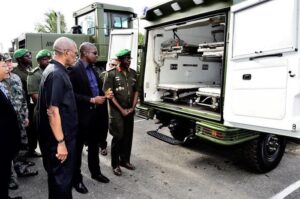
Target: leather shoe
(117,171)
(80,187)
(17,197)
(101,178)
(28,163)
(27,172)
(13,185)
(128,165)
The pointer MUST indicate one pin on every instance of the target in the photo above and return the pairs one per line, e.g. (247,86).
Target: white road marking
(139,120)
(287,191)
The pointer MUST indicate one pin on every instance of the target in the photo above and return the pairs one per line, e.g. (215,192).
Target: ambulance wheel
(264,153)
(178,129)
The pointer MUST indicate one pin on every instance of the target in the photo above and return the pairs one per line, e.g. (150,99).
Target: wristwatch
(61,141)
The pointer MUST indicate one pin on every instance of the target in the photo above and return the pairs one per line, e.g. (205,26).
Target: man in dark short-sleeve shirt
(57,120)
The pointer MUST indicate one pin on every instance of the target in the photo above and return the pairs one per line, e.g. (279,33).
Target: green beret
(43,53)
(20,53)
(123,53)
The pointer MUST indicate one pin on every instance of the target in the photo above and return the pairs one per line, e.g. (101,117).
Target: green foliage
(49,25)
(141,39)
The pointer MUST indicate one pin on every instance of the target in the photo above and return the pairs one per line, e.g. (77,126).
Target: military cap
(123,53)
(43,53)
(20,53)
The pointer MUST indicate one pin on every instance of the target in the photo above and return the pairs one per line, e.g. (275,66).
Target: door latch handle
(291,75)
(246,76)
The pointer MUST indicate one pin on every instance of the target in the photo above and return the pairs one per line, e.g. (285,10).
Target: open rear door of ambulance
(121,39)
(262,91)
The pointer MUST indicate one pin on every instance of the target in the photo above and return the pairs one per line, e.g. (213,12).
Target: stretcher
(209,97)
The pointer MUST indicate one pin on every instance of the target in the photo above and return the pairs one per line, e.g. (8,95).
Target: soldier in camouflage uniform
(122,81)
(23,57)
(16,95)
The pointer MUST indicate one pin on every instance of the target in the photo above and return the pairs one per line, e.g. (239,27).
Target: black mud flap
(164,138)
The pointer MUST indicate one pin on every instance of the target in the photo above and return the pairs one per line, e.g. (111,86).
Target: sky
(19,17)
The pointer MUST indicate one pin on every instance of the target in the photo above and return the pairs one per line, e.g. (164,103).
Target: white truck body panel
(121,39)
(262,90)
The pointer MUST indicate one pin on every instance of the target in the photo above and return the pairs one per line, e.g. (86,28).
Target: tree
(50,23)
(141,38)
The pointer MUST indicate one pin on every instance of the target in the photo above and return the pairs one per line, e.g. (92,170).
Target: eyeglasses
(95,53)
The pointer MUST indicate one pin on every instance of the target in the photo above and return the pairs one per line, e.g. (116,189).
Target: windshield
(120,20)
(87,22)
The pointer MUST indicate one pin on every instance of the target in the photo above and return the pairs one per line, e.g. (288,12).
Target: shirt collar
(120,69)
(58,64)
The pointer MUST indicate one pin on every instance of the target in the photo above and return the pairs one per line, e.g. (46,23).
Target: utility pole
(58,22)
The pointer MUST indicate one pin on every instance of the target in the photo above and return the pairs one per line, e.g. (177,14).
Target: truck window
(105,25)
(120,20)
(87,22)
(256,32)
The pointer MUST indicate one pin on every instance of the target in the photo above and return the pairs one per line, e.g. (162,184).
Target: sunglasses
(95,53)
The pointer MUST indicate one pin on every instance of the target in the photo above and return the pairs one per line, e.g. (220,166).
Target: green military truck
(224,71)
(97,21)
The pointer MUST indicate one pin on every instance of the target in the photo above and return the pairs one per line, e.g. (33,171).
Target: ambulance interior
(184,65)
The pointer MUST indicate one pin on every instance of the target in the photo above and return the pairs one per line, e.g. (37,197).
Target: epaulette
(33,71)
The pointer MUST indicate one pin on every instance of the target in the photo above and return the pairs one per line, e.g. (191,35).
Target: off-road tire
(264,153)
(178,134)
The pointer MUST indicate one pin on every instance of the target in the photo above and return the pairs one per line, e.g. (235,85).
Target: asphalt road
(164,171)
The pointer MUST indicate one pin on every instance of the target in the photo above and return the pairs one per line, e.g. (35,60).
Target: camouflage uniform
(17,97)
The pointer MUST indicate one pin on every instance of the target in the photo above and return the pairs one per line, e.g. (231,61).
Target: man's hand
(26,122)
(99,99)
(125,112)
(62,152)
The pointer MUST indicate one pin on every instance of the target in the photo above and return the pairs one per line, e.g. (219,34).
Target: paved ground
(166,171)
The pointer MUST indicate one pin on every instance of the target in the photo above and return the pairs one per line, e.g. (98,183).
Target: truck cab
(225,71)
(96,20)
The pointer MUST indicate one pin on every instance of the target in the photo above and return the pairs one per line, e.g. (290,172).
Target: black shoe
(28,163)
(100,178)
(33,154)
(80,188)
(117,171)
(27,172)
(128,165)
(17,197)
(13,185)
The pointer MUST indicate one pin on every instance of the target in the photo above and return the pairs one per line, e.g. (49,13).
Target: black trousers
(4,175)
(121,129)
(60,175)
(91,135)
(31,129)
